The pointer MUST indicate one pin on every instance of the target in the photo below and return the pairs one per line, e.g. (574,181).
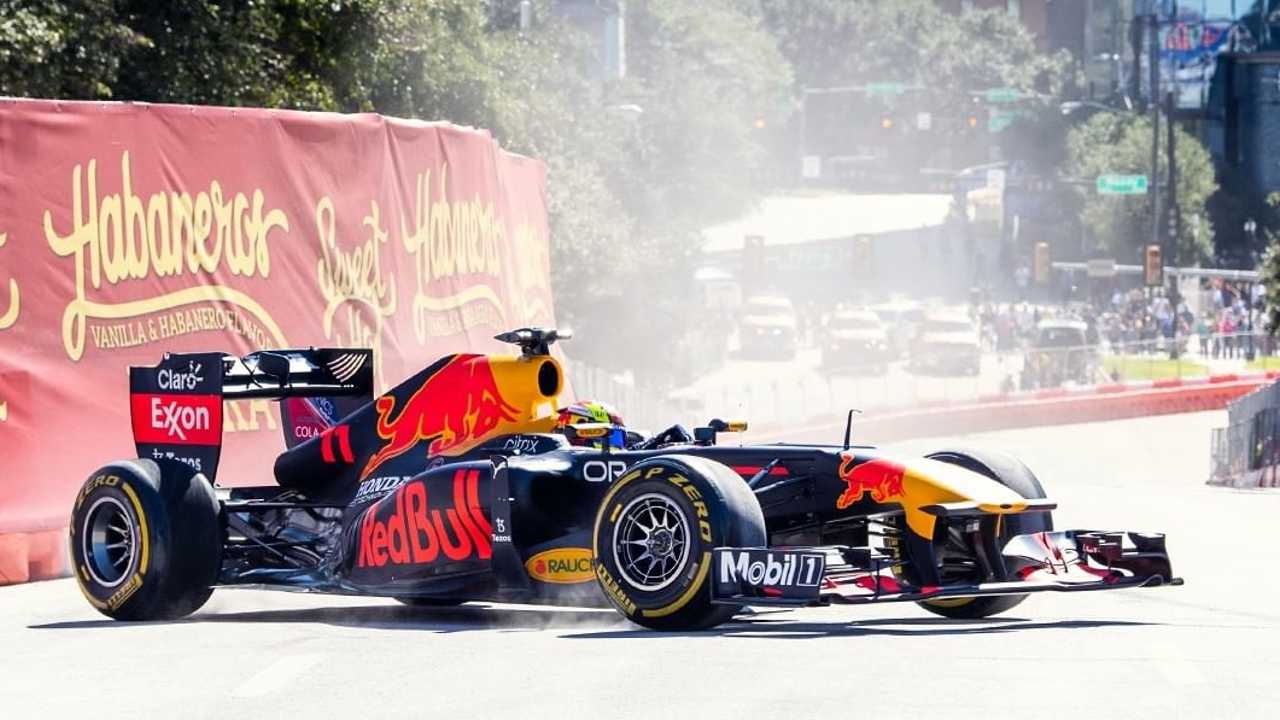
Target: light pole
(1250,229)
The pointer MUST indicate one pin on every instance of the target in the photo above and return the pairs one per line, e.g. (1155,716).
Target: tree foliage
(704,121)
(842,42)
(62,48)
(636,165)
(1121,224)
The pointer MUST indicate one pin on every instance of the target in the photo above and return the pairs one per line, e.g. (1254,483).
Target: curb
(25,557)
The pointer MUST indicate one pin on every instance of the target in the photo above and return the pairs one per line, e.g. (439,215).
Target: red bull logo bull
(882,478)
(454,409)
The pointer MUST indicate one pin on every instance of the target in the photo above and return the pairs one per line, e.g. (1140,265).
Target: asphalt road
(1210,649)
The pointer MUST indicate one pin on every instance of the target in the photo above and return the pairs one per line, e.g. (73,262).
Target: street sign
(999,121)
(1003,95)
(1122,184)
(884,88)
(1101,268)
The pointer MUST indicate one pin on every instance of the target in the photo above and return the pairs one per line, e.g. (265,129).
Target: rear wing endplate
(176,406)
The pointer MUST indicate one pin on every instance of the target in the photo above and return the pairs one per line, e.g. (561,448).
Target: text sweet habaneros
(121,237)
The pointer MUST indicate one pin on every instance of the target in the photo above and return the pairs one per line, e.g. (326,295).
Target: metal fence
(1247,451)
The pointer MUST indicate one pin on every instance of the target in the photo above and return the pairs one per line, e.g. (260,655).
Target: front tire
(1013,474)
(654,533)
(146,540)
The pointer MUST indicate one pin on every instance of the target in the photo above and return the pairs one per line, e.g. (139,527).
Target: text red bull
(454,408)
(882,478)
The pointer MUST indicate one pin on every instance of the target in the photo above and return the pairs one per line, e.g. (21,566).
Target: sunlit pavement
(1205,650)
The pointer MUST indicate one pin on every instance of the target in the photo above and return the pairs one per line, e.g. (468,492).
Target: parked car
(947,342)
(855,340)
(768,329)
(901,320)
(1060,352)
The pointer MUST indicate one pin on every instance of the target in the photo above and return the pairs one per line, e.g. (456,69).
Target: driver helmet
(587,411)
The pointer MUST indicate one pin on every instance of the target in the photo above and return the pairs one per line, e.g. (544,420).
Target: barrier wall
(1105,404)
(1043,408)
(128,230)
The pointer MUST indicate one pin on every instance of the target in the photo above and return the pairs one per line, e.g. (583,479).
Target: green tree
(55,49)
(1121,224)
(637,166)
(950,58)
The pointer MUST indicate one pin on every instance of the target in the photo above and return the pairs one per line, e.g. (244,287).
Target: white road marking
(276,675)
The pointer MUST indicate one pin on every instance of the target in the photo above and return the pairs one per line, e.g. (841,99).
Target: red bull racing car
(451,487)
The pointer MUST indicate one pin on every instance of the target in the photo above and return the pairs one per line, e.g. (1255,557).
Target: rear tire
(654,534)
(1013,474)
(146,540)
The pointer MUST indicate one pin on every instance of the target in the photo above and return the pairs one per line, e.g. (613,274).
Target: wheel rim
(109,537)
(651,542)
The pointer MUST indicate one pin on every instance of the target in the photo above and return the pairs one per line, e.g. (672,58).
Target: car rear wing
(176,406)
(316,372)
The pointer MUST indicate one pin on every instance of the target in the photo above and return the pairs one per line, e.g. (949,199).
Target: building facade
(1242,123)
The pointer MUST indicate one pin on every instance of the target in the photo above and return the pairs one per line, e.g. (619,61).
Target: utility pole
(1174,219)
(1153,100)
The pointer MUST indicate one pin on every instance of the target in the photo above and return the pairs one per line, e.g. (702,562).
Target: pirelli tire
(146,540)
(679,508)
(1013,474)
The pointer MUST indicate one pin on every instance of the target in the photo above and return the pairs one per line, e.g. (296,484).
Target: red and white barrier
(1039,408)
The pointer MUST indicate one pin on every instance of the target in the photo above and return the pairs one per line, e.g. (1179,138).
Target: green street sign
(999,121)
(885,88)
(1122,184)
(1003,95)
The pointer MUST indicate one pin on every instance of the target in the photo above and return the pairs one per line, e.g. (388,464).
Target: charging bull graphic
(882,478)
(455,408)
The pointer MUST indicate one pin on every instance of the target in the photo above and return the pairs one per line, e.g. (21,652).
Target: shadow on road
(782,629)
(586,624)
(472,617)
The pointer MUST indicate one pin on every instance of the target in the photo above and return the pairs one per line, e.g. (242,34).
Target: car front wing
(1062,561)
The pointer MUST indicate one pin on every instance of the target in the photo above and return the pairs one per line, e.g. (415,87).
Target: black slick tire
(1013,474)
(709,506)
(146,540)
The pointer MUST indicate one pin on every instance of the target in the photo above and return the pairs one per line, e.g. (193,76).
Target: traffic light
(886,122)
(1040,264)
(760,123)
(1153,266)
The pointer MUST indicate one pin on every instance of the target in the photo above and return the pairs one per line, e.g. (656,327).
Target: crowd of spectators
(1227,324)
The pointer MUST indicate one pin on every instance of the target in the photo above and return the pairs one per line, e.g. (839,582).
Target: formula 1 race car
(451,487)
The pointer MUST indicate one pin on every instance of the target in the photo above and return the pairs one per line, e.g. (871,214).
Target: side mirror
(707,435)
